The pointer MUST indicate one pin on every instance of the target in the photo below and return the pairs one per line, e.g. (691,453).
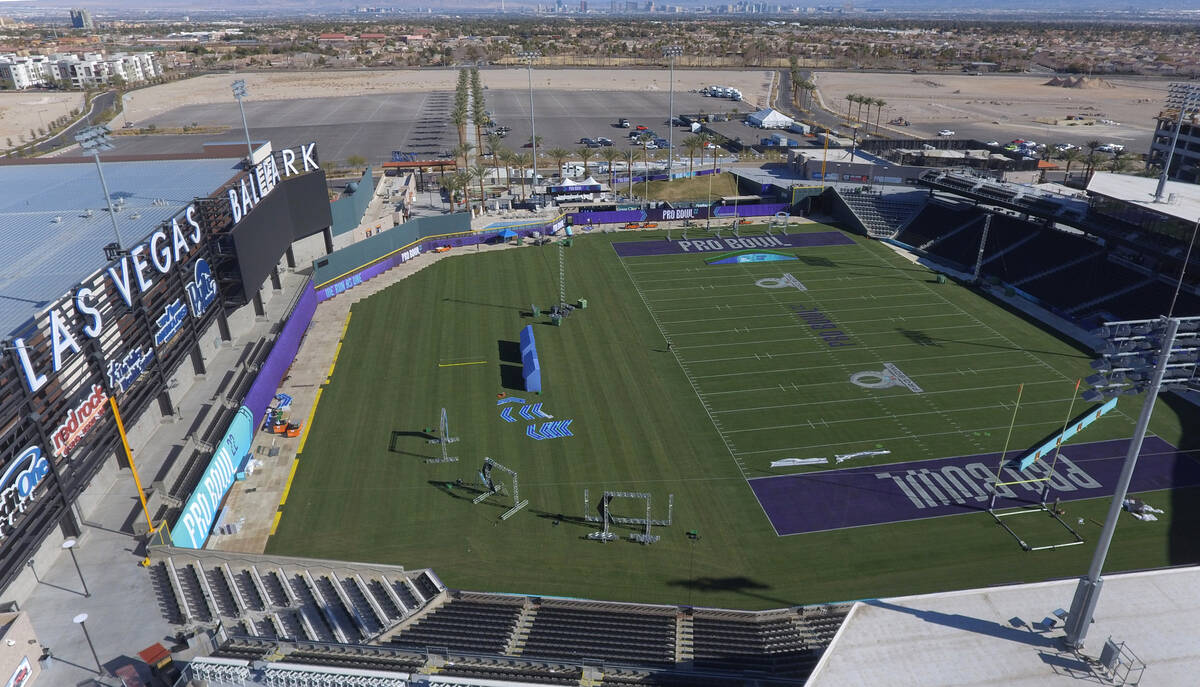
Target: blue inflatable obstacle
(531,367)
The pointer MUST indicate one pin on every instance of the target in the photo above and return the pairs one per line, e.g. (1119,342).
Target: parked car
(1064,147)
(623,123)
(1111,148)
(992,144)
(946,132)
(604,141)
(585,141)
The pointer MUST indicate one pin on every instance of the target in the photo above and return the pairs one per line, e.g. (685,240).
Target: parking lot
(374,125)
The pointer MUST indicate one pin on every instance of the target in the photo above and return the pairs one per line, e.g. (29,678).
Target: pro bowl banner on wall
(192,528)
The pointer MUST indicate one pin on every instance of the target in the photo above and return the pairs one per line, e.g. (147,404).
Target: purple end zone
(852,497)
(629,249)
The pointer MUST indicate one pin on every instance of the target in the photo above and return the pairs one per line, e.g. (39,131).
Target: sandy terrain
(20,112)
(151,102)
(1002,107)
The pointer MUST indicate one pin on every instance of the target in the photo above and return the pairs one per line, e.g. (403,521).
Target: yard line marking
(854,400)
(896,360)
(881,439)
(822,367)
(889,416)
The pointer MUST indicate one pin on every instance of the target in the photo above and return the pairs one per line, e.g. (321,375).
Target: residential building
(84,70)
(81,19)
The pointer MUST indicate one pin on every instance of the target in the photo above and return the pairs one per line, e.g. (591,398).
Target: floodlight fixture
(1146,356)
(239,92)
(1186,98)
(95,139)
(529,56)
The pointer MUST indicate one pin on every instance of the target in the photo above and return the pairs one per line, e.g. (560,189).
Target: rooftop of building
(54,221)
(1010,637)
(1179,200)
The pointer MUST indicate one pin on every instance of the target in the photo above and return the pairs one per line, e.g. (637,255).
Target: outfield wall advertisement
(283,352)
(192,527)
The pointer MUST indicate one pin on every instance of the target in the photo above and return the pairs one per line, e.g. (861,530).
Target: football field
(884,397)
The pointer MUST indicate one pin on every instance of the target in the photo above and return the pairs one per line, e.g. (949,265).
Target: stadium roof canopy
(1009,636)
(1184,205)
(48,240)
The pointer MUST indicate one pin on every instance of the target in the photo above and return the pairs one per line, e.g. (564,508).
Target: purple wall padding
(266,384)
(760,210)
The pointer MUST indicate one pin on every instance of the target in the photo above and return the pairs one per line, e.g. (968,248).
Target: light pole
(1138,356)
(93,140)
(69,547)
(671,52)
(239,92)
(529,56)
(80,620)
(1187,98)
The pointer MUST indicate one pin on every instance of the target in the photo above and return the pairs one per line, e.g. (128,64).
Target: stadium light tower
(93,140)
(1186,97)
(1138,356)
(671,52)
(529,56)
(239,92)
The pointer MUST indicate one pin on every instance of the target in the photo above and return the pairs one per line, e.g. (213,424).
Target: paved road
(99,104)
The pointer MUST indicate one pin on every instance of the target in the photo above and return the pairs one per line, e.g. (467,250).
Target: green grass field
(746,382)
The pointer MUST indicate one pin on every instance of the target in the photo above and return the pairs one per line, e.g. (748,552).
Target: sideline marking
(287,486)
(308,423)
(475,362)
(275,523)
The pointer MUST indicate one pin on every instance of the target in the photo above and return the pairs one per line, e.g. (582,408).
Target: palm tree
(861,100)
(586,154)
(464,151)
(691,144)
(1091,156)
(879,103)
(1070,156)
(462,181)
(495,147)
(1120,161)
(480,120)
(459,117)
(451,184)
(628,156)
(610,155)
(559,155)
(479,173)
(523,162)
(849,100)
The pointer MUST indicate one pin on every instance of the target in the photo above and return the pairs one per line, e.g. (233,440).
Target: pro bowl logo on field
(18,483)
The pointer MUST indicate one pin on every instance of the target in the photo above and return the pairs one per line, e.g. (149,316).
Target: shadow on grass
(486,305)
(737,585)
(813,261)
(1183,546)
(457,489)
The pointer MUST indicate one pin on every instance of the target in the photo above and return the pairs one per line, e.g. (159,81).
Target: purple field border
(853,497)
(630,249)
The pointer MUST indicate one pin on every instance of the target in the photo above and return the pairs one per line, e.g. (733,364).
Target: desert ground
(20,112)
(151,102)
(1004,107)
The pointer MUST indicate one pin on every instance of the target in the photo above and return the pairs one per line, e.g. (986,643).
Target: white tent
(566,181)
(590,181)
(770,119)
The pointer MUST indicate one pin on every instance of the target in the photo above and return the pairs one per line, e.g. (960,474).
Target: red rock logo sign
(79,422)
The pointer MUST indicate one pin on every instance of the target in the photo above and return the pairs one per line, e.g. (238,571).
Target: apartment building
(18,72)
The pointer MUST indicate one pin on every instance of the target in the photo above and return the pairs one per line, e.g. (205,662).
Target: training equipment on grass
(492,486)
(779,221)
(550,430)
(443,439)
(531,367)
(1028,461)
(608,519)
(562,274)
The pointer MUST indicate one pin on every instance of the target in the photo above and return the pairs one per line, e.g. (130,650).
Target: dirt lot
(1005,107)
(20,112)
(151,102)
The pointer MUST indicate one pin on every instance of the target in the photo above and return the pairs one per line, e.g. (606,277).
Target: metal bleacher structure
(289,621)
(1042,246)
(881,215)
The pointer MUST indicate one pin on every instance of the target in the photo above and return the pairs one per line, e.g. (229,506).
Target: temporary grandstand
(310,612)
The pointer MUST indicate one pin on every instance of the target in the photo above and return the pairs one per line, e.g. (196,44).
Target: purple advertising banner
(283,352)
(629,249)
(872,495)
(668,214)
